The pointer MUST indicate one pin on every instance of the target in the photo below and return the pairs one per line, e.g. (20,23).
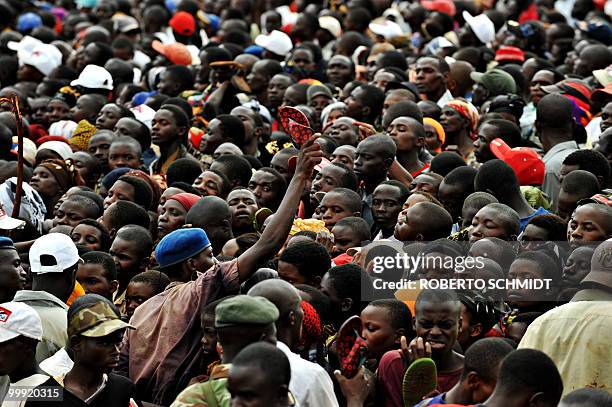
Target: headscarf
(81,135)
(328,109)
(66,175)
(61,148)
(468,112)
(110,178)
(439,131)
(157,192)
(186,199)
(311,326)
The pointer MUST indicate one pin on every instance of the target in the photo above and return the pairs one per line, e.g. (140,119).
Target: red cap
(44,139)
(177,53)
(186,199)
(526,163)
(443,6)
(509,53)
(183,23)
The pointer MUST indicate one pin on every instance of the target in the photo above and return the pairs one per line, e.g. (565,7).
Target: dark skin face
(13,354)
(486,223)
(425,183)
(128,259)
(328,178)
(386,206)
(98,354)
(171,217)
(127,127)
(451,121)
(577,266)
(606,117)
(486,134)
(409,225)
(276,90)
(56,111)
(588,225)
(99,146)
(523,269)
(209,334)
(378,332)
(333,208)
(438,324)
(135,294)
(339,70)
(401,131)
(45,183)
(92,278)
(122,155)
(290,273)
(480,94)
(11,274)
(69,213)
(249,386)
(258,78)
(165,129)
(532,237)
(344,239)
(541,78)
(209,183)
(243,205)
(343,131)
(85,109)
(214,137)
(167,85)
(369,162)
(108,117)
(429,79)
(87,236)
(280,163)
(344,155)
(263,186)
(86,165)
(355,107)
(120,191)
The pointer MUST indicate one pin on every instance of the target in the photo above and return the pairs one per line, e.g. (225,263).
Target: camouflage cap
(245,310)
(96,320)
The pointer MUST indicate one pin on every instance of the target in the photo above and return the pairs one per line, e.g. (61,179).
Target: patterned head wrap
(468,112)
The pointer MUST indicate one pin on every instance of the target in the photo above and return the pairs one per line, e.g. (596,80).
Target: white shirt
(310,384)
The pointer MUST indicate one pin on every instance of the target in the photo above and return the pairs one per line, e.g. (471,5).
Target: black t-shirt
(117,393)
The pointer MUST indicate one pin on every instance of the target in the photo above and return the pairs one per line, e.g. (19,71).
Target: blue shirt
(524,221)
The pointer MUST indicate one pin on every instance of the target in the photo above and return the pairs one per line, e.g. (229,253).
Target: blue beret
(6,243)
(254,50)
(180,245)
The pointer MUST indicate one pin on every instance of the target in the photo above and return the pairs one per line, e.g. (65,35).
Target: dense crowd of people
(306,203)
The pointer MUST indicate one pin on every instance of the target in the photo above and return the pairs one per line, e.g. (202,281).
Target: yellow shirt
(577,337)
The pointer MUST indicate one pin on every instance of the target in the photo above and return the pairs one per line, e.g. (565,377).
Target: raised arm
(275,234)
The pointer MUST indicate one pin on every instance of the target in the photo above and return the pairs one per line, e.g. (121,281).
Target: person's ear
(420,141)
(316,281)
(144,263)
(75,342)
(388,162)
(112,233)
(450,83)
(365,110)
(537,399)
(459,323)
(419,237)
(476,330)
(472,380)
(346,304)
(114,284)
(283,391)
(258,132)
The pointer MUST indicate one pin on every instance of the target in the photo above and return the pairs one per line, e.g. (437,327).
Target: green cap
(497,81)
(245,310)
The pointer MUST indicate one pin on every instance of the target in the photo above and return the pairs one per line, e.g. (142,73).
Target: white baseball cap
(57,245)
(331,24)
(385,28)
(44,57)
(8,223)
(26,45)
(277,42)
(94,77)
(19,319)
(481,25)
